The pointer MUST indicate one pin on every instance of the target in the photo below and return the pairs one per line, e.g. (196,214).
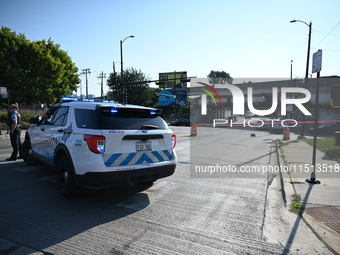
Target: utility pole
(101,76)
(81,91)
(86,71)
(115,76)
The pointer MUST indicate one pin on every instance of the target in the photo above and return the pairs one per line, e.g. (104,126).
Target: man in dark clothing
(15,132)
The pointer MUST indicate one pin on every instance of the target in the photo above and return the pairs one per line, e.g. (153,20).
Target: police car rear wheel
(66,185)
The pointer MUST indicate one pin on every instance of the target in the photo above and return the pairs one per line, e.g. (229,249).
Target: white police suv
(98,144)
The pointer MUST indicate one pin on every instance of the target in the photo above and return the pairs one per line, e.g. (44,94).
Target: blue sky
(244,38)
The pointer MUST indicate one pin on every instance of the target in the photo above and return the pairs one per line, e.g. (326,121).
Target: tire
(66,185)
(27,154)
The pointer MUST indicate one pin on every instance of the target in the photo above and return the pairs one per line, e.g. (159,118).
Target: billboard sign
(166,98)
(181,97)
(173,79)
(173,97)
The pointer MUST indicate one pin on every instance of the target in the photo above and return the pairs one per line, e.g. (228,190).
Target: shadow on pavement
(33,214)
(290,240)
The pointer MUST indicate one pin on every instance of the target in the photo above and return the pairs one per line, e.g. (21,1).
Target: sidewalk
(6,136)
(321,201)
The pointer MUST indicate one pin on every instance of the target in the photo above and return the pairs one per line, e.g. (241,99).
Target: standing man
(15,131)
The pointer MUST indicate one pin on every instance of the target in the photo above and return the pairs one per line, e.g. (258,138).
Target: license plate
(143,146)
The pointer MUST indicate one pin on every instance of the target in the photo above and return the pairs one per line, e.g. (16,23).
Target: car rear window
(119,118)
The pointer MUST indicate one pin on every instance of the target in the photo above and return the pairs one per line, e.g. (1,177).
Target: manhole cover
(330,216)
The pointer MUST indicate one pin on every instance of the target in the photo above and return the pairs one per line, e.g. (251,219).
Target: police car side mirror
(35,120)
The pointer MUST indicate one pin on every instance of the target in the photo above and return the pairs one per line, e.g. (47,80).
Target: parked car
(264,124)
(325,129)
(248,115)
(181,122)
(277,127)
(232,118)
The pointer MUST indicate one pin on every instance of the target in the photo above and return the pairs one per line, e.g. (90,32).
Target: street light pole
(302,134)
(121,66)
(291,73)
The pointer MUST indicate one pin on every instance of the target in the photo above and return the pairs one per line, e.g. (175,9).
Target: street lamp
(307,65)
(121,65)
(115,77)
(309,38)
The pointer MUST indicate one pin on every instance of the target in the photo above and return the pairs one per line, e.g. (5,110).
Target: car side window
(47,118)
(60,117)
(86,118)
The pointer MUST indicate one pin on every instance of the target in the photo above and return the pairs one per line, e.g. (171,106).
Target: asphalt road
(181,214)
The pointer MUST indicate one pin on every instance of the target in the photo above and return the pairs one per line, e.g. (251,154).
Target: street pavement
(321,201)
(177,215)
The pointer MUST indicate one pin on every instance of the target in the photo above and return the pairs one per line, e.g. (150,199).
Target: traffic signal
(160,82)
(184,80)
(125,97)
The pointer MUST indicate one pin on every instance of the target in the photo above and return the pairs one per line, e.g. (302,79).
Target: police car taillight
(174,140)
(96,143)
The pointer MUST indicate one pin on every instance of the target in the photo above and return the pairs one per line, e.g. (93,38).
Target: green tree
(35,72)
(138,93)
(219,77)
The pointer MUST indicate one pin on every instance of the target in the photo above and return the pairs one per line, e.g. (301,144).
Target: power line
(327,34)
(322,32)
(325,49)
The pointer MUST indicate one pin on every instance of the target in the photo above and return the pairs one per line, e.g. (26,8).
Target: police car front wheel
(27,154)
(66,184)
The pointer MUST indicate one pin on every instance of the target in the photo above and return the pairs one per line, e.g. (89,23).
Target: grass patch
(282,155)
(326,145)
(296,206)
(296,182)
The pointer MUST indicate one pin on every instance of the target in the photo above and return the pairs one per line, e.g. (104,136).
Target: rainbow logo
(212,89)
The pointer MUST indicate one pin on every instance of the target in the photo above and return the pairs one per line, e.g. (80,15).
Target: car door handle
(42,129)
(60,130)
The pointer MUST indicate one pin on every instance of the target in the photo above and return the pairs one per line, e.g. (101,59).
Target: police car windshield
(119,118)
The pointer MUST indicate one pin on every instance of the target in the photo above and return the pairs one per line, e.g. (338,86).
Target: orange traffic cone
(193,129)
(286,134)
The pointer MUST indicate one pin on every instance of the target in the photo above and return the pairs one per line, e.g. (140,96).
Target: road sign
(3,92)
(317,61)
